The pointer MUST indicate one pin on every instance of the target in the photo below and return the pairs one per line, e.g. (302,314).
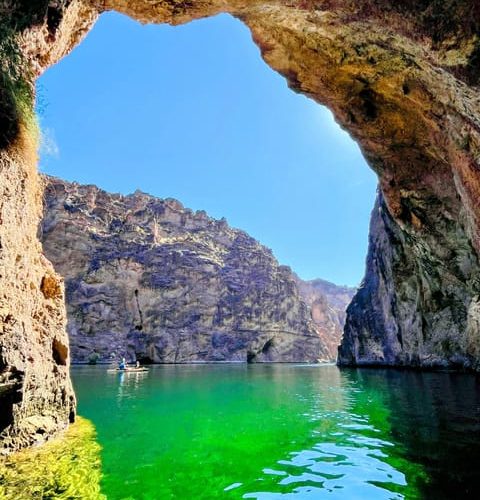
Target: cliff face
(328,304)
(418,304)
(150,279)
(36,397)
(401,77)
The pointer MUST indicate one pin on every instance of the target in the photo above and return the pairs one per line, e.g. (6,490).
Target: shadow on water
(267,431)
(434,421)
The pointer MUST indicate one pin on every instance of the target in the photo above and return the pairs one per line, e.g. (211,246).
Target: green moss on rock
(16,89)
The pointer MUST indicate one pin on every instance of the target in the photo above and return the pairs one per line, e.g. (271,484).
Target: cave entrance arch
(132,128)
(402,78)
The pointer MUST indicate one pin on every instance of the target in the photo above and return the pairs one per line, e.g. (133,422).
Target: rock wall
(151,280)
(401,77)
(419,302)
(328,304)
(36,397)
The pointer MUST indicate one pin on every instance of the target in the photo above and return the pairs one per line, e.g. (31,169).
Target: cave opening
(268,346)
(214,134)
(177,114)
(11,381)
(432,205)
(251,357)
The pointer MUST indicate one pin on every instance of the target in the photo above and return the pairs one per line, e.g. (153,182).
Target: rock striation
(418,305)
(328,304)
(402,77)
(154,281)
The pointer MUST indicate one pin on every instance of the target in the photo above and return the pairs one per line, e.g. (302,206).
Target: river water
(284,431)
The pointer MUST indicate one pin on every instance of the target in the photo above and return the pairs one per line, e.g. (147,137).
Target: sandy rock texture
(151,280)
(401,77)
(36,397)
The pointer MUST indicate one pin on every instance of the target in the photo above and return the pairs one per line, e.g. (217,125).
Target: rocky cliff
(151,280)
(401,77)
(36,397)
(328,304)
(418,304)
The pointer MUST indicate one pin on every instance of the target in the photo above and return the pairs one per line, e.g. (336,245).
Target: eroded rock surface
(36,397)
(151,280)
(328,304)
(419,302)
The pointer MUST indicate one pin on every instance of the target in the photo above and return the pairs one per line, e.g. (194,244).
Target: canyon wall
(418,305)
(401,77)
(151,280)
(328,305)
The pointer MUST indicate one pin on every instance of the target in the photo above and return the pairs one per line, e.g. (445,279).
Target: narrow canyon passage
(402,79)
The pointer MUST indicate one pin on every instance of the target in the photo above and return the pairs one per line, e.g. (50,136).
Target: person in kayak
(123,364)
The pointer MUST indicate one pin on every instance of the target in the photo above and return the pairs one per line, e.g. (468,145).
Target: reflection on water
(128,384)
(284,431)
(349,458)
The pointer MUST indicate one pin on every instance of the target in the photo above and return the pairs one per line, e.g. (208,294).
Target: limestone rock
(149,279)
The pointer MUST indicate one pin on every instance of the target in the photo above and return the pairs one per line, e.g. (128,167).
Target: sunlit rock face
(154,281)
(401,77)
(328,304)
(36,397)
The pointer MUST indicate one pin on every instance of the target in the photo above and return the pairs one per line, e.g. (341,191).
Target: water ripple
(347,464)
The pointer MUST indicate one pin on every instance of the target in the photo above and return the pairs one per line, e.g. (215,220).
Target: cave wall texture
(401,77)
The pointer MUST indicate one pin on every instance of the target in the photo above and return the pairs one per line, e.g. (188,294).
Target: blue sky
(192,112)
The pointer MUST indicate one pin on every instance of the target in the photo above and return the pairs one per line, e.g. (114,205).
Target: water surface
(284,431)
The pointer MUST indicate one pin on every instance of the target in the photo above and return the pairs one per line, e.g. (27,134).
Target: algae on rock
(67,467)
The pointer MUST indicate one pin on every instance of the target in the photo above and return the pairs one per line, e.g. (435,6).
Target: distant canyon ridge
(151,280)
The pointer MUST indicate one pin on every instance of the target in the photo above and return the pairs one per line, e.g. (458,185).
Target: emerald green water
(284,431)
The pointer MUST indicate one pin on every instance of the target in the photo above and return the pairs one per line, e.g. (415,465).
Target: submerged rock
(152,280)
(67,467)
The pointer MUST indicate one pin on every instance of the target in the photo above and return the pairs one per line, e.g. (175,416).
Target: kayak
(128,370)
